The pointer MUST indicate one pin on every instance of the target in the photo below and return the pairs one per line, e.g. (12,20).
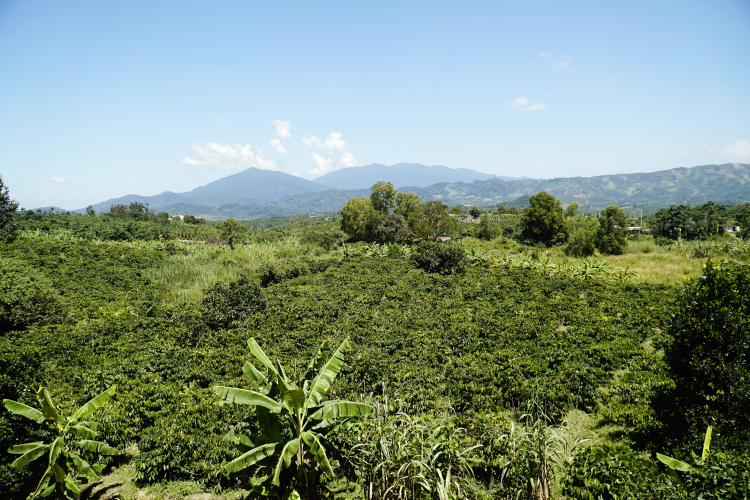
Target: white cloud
(282,129)
(522,104)
(738,150)
(562,63)
(59,180)
(338,156)
(223,157)
(276,144)
(545,54)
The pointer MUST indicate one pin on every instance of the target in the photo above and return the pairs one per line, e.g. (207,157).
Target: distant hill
(720,183)
(49,209)
(253,193)
(401,174)
(251,186)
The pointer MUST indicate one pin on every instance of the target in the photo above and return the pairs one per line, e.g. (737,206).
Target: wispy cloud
(276,144)
(545,54)
(522,104)
(283,129)
(562,63)
(739,149)
(226,157)
(58,180)
(338,156)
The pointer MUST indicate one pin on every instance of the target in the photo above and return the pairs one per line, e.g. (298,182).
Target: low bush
(26,297)
(225,303)
(613,472)
(437,257)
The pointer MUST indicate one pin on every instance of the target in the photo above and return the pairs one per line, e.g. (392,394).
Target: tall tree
(382,196)
(8,207)
(475,212)
(359,219)
(406,203)
(431,220)
(572,210)
(232,231)
(611,238)
(543,220)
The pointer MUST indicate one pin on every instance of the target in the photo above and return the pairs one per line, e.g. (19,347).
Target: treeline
(389,216)
(121,223)
(700,222)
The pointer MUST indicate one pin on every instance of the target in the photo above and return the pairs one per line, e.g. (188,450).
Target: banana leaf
(317,361)
(48,406)
(54,451)
(44,487)
(675,464)
(96,447)
(339,409)
(82,431)
(246,397)
(328,372)
(84,469)
(94,404)
(256,351)
(250,458)
(291,395)
(290,449)
(20,449)
(317,451)
(29,456)
(23,410)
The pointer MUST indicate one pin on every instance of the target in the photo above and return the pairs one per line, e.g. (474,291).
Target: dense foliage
(543,220)
(686,222)
(458,349)
(8,208)
(708,358)
(611,238)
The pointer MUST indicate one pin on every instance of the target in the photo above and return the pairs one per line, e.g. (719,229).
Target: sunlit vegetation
(489,366)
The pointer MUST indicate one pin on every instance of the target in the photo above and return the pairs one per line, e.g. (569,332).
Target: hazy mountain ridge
(251,186)
(255,193)
(401,174)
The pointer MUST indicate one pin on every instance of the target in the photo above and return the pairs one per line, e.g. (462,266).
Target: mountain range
(255,193)
(401,175)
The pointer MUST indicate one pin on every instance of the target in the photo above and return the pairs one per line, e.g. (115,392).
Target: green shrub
(581,236)
(488,230)
(722,476)
(21,372)
(611,238)
(328,238)
(225,303)
(613,472)
(26,297)
(392,229)
(437,257)
(708,359)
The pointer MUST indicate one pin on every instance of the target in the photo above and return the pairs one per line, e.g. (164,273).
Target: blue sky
(102,99)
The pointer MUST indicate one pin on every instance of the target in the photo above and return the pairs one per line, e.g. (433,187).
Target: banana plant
(293,419)
(75,436)
(678,465)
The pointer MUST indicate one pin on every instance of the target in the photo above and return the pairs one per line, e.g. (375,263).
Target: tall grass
(185,274)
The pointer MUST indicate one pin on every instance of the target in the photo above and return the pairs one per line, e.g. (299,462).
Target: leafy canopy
(543,220)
